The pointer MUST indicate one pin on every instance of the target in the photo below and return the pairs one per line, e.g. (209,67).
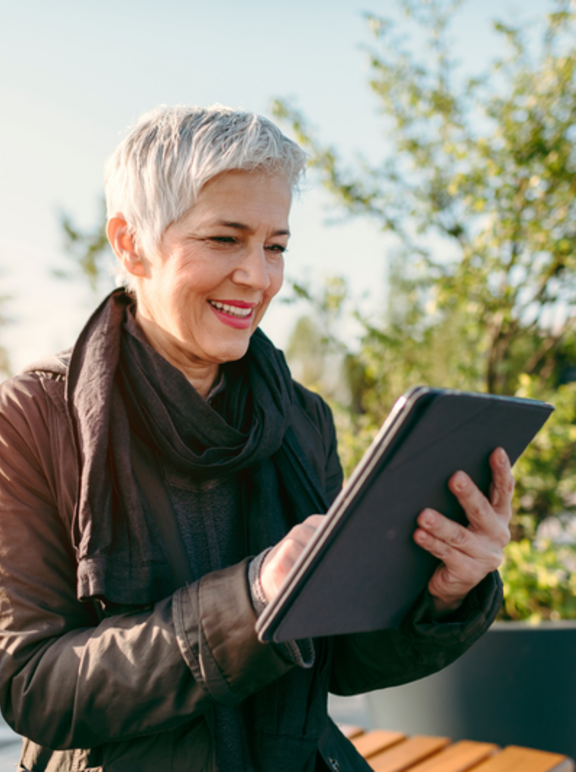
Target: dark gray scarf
(117,383)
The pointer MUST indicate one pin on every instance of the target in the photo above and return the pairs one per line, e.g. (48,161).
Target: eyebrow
(239,226)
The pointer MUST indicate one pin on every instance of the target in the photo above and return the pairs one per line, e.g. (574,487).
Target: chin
(230,353)
(234,356)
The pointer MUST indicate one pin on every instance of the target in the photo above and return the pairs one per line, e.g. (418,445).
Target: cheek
(188,287)
(276,281)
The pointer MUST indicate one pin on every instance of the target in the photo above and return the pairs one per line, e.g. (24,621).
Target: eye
(279,248)
(223,239)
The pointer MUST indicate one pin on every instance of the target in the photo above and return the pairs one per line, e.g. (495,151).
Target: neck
(202,375)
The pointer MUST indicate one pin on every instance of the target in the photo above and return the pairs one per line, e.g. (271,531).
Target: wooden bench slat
(516,759)
(350,731)
(460,757)
(405,755)
(374,742)
(388,751)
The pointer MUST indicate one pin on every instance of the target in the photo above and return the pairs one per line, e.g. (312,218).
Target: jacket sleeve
(419,647)
(69,679)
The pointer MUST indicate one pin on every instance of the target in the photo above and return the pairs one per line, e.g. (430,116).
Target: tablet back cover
(368,572)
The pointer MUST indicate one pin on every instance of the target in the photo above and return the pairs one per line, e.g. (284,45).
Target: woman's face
(217,270)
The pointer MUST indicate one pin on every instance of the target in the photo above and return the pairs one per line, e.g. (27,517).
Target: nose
(254,270)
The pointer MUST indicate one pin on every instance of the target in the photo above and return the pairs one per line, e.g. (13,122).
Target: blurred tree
(479,189)
(540,575)
(539,582)
(307,349)
(87,250)
(546,472)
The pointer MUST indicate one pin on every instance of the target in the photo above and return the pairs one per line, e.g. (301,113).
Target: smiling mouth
(239,313)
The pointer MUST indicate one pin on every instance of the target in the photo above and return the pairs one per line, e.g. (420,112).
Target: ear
(122,242)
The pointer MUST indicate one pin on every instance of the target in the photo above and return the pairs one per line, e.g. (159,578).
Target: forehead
(244,193)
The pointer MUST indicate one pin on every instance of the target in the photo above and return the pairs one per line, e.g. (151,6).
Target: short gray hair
(156,173)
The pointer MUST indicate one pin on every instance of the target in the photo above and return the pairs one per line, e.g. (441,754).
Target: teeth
(242,313)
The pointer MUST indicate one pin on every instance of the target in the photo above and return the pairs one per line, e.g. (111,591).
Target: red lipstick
(237,322)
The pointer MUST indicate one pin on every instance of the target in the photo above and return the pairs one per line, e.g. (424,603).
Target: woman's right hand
(281,558)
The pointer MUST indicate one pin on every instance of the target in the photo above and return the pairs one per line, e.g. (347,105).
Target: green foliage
(306,347)
(539,582)
(546,472)
(479,188)
(488,167)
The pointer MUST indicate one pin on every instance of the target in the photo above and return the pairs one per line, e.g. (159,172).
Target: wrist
(442,607)
(257,594)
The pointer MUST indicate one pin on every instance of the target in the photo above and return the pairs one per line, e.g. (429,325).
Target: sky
(75,74)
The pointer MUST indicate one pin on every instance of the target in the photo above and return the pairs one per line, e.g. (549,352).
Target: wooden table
(395,752)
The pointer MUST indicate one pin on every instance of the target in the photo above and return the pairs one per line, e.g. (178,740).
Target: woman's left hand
(468,554)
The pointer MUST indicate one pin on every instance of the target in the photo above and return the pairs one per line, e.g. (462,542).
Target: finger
(502,483)
(446,530)
(459,572)
(280,560)
(314,521)
(276,568)
(287,551)
(451,556)
(478,509)
(440,549)
(301,533)
(484,553)
(304,531)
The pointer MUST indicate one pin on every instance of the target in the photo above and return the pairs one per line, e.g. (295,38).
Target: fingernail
(501,457)
(460,481)
(427,517)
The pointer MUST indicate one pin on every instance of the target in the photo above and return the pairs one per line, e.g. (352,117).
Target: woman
(159,480)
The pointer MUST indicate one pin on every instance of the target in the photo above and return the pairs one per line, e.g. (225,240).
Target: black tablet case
(363,571)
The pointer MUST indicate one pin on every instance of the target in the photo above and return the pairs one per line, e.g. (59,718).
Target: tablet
(362,570)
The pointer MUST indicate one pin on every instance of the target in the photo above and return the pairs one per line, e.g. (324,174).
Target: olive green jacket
(99,687)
